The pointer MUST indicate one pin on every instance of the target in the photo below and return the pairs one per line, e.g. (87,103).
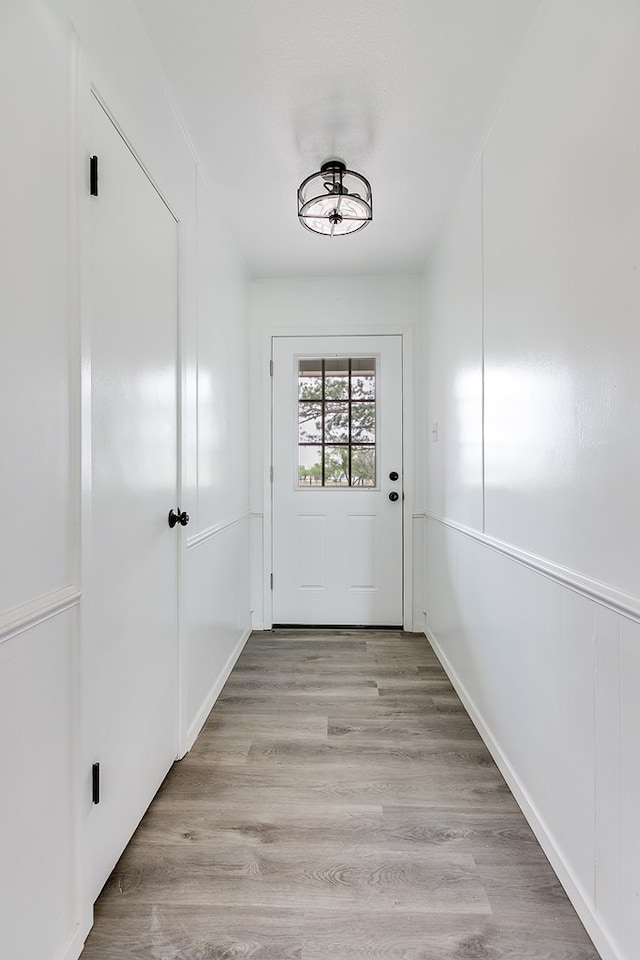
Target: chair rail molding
(199,538)
(19,619)
(602,593)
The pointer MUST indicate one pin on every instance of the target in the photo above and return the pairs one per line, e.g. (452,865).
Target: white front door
(337,480)
(131,704)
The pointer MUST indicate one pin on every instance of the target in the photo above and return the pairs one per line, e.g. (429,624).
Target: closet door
(131,696)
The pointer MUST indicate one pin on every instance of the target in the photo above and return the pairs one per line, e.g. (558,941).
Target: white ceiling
(402,90)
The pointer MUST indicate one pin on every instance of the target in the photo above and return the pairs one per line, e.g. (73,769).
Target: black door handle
(393,475)
(181,518)
(393,496)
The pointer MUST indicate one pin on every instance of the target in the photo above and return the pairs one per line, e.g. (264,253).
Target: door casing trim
(407,333)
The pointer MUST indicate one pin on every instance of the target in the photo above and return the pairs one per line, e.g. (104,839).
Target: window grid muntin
(348,402)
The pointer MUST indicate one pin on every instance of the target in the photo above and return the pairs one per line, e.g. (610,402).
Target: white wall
(39,555)
(217,562)
(531,359)
(51,53)
(453,386)
(328,306)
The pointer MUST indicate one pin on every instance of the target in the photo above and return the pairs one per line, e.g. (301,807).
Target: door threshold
(337,626)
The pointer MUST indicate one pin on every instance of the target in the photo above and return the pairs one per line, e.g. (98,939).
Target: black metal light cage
(335,201)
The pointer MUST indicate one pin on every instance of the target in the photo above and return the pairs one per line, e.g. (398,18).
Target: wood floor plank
(187,932)
(295,686)
(395,726)
(338,804)
(228,750)
(318,694)
(492,837)
(368,707)
(356,669)
(245,823)
(239,725)
(448,704)
(360,784)
(442,758)
(423,685)
(280,876)
(334,935)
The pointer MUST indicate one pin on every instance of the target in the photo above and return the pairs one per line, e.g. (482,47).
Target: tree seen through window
(337,422)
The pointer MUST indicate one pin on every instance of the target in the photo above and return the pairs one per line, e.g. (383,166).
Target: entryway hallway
(338,804)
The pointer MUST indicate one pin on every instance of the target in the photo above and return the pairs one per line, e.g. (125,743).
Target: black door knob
(393,496)
(181,518)
(393,475)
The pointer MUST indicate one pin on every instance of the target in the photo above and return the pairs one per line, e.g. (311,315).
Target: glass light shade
(335,201)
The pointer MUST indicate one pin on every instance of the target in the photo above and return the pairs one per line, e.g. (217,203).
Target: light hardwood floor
(338,805)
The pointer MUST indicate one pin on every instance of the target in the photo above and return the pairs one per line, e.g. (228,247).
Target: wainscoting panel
(217,617)
(38,800)
(550,676)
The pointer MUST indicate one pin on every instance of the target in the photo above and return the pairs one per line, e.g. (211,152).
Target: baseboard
(198,723)
(602,939)
(76,945)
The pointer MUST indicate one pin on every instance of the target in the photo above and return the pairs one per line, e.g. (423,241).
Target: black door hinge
(95,783)
(271,579)
(93,176)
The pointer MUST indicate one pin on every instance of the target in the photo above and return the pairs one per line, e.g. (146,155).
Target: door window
(337,422)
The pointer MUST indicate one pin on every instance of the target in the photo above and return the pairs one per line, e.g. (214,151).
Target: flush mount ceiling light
(335,200)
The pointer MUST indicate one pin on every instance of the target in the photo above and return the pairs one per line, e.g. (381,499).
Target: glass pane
(336,466)
(310,379)
(336,423)
(363,467)
(310,466)
(363,423)
(310,422)
(336,385)
(363,378)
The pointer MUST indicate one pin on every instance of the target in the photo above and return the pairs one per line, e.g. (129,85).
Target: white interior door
(337,480)
(131,706)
